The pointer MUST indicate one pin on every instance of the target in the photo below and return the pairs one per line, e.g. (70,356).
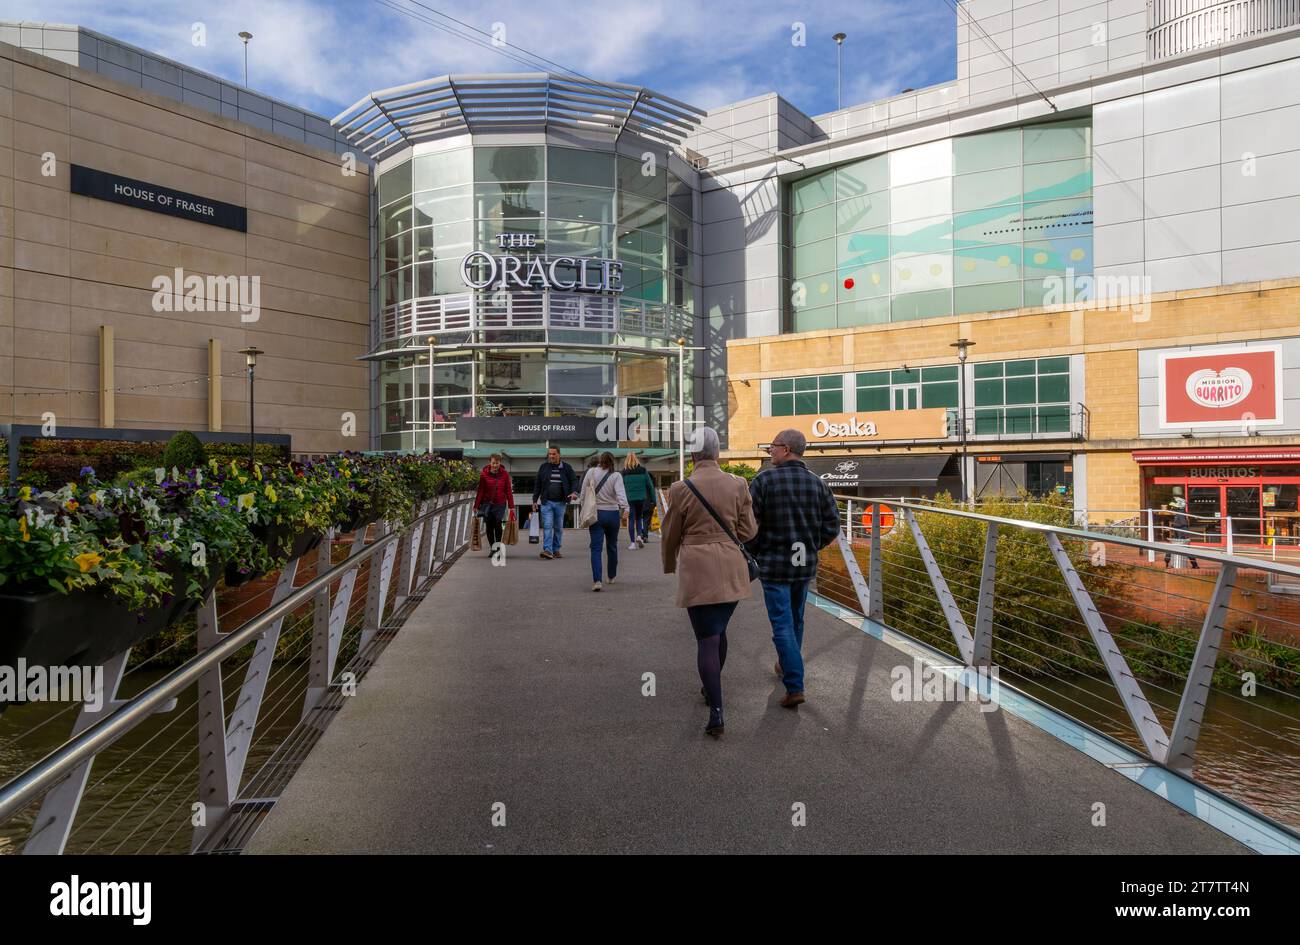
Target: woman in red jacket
(495,499)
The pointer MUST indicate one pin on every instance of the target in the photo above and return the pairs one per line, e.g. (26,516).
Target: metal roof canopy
(522,101)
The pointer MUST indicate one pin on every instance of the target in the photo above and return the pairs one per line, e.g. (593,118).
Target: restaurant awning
(922,469)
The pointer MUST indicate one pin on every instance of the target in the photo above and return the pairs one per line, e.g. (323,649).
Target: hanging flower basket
(81,628)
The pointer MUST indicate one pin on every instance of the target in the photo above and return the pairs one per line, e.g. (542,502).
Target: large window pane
(508,163)
(569,238)
(920,273)
(993,263)
(1055,218)
(862,213)
(495,201)
(988,189)
(444,206)
(864,312)
(395,184)
(641,212)
(917,201)
(814,319)
(1058,140)
(643,178)
(862,177)
(581,167)
(997,297)
(873,398)
(811,192)
(1058,179)
(442,170)
(812,258)
(931,235)
(921,305)
(862,248)
(986,151)
(862,282)
(574,202)
(395,218)
(813,225)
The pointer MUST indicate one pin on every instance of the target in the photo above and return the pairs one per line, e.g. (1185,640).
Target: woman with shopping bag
(603,511)
(494,500)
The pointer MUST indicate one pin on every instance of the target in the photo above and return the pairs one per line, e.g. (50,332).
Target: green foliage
(742,470)
(184,452)
(1031,595)
(52,462)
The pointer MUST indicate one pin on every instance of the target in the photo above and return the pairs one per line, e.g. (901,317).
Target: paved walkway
(520,686)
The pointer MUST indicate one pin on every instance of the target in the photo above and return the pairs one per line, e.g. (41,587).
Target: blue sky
(325,54)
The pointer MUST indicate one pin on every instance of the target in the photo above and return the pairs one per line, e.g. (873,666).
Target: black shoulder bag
(750,562)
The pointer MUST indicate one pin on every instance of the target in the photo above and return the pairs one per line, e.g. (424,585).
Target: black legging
(492,523)
(709,621)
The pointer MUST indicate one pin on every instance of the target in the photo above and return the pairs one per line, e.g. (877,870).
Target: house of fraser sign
(483,270)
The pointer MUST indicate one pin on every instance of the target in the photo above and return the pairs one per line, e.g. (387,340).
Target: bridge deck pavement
(520,686)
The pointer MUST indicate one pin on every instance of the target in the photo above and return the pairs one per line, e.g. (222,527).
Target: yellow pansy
(22,528)
(257,471)
(87,560)
(270,493)
(245,501)
(71,505)
(25,493)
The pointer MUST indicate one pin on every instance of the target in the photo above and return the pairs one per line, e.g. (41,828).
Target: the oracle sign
(482,270)
(1224,387)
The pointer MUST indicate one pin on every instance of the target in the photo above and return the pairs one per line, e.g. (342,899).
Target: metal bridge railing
(1195,668)
(197,757)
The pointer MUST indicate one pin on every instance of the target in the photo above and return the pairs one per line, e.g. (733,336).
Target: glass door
(1243,506)
(907,397)
(1204,508)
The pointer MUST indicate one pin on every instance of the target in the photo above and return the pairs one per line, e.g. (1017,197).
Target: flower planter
(281,541)
(82,628)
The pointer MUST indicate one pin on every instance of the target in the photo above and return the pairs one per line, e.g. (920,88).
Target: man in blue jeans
(797,517)
(557,484)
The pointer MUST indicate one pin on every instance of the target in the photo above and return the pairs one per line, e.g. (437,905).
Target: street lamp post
(245,35)
(250,358)
(963,345)
(681,407)
(839,49)
(430,341)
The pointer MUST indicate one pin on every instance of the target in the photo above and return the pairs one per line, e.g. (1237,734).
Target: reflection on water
(1249,748)
(141,788)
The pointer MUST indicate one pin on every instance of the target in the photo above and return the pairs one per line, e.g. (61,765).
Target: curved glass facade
(528,351)
(972,224)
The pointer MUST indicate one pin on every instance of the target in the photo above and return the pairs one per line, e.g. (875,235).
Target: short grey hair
(793,440)
(704,443)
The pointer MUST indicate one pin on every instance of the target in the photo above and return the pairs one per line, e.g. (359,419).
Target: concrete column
(214,385)
(107,395)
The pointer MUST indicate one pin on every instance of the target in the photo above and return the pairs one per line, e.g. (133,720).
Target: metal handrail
(58,764)
(1240,561)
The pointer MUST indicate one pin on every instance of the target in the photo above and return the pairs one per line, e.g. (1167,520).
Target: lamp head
(250,354)
(245,35)
(839,38)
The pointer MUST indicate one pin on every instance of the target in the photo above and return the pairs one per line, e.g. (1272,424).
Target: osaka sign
(482,270)
(1221,387)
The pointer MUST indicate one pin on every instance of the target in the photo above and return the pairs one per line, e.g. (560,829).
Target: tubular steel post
(875,590)
(381,572)
(1151,535)
(951,612)
(983,648)
(1139,709)
(851,562)
(1191,707)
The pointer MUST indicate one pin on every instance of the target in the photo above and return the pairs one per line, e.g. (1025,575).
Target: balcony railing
(534,315)
(1179,26)
(1028,421)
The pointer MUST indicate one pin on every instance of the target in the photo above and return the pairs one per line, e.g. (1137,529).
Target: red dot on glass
(848,283)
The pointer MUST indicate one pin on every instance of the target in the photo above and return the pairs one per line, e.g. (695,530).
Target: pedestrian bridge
(505,707)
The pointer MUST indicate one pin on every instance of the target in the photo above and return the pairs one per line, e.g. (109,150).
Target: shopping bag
(511,534)
(475,542)
(534,529)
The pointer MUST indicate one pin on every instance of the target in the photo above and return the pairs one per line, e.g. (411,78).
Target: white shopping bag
(534,529)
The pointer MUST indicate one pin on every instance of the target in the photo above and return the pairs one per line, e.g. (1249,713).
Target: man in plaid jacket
(797,517)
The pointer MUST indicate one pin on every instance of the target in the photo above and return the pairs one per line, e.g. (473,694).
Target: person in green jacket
(640,488)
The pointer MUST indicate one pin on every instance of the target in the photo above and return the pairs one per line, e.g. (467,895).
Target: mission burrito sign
(1220,388)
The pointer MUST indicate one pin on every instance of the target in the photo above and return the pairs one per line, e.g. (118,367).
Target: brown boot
(792,699)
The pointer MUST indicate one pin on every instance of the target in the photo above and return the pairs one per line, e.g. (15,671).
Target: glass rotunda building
(535,260)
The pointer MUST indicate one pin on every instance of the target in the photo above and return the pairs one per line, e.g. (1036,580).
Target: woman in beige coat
(712,575)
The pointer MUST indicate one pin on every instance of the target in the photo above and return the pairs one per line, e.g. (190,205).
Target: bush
(184,451)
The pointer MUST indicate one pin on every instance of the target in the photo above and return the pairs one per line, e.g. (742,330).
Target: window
(573,166)
(801,396)
(496,164)
(984,222)
(1026,396)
